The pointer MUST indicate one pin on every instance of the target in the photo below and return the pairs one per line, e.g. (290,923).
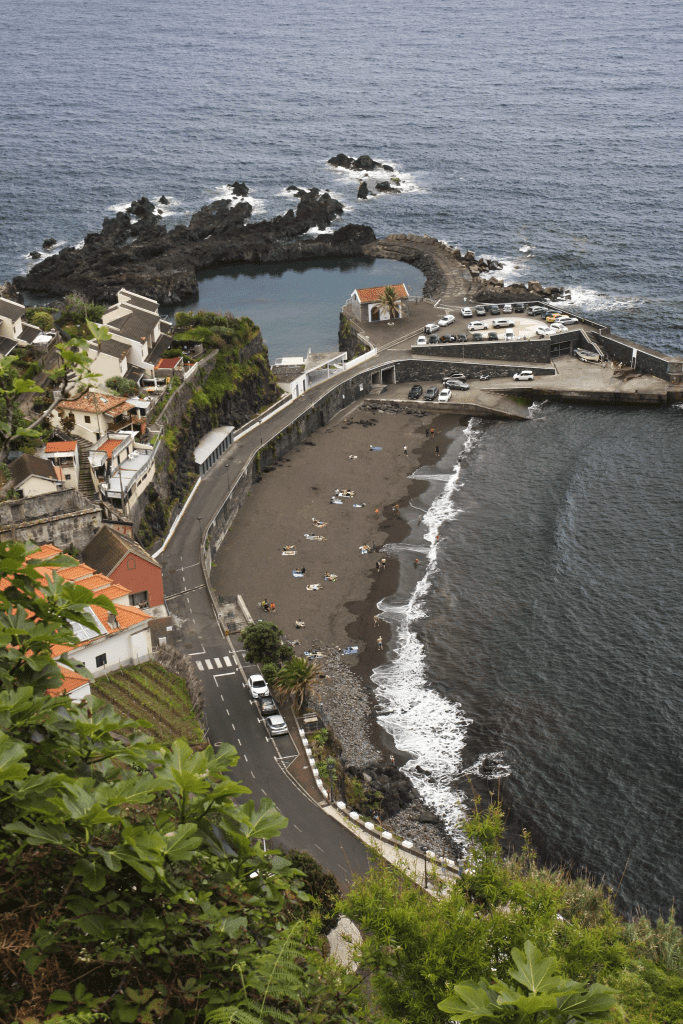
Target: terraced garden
(151,692)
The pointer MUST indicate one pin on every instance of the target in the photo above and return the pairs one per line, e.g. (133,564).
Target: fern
(275,977)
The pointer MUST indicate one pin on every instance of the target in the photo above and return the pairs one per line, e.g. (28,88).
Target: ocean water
(545,135)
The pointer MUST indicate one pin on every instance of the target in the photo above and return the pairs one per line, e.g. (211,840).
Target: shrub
(122,386)
(39,318)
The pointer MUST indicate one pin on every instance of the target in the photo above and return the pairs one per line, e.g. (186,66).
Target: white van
(509,334)
(431,328)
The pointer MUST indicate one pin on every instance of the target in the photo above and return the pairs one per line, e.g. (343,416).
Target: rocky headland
(135,250)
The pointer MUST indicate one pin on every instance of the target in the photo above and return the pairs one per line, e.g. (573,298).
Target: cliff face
(229,391)
(143,256)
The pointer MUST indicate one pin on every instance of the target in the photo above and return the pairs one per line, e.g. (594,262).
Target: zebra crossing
(213,663)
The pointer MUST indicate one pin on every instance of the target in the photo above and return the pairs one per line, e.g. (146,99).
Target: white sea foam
(512,270)
(225,192)
(524,248)
(592,301)
(408,182)
(419,718)
(536,407)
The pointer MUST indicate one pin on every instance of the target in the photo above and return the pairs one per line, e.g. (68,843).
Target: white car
(431,328)
(446,320)
(422,339)
(258,687)
(477,325)
(542,332)
(465,311)
(523,375)
(569,319)
(507,308)
(502,322)
(276,725)
(444,395)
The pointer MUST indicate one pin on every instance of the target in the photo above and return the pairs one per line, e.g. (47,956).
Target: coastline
(279,512)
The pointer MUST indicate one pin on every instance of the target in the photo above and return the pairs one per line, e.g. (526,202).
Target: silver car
(276,725)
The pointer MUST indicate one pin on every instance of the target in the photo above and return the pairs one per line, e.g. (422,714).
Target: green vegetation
(122,386)
(262,643)
(294,680)
(76,311)
(389,302)
(153,693)
(41,316)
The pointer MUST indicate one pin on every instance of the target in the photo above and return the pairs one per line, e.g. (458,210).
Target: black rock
(49,242)
(363,190)
(386,186)
(427,818)
(341,160)
(239,188)
(365,163)
(34,255)
(164,201)
(387,167)
(141,208)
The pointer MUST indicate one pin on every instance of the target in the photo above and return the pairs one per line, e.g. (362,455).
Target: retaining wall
(435,369)
(533,350)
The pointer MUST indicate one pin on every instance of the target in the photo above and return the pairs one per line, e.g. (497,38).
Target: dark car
(267,706)
(494,310)
(448,338)
(433,339)
(518,307)
(477,337)
(462,338)
(492,336)
(456,385)
(415,391)
(431,393)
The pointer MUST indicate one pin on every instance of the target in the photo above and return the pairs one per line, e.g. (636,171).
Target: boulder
(365,163)
(534,286)
(34,255)
(363,190)
(386,186)
(239,189)
(164,201)
(469,257)
(427,818)
(341,160)
(141,208)
(387,167)
(8,291)
(49,242)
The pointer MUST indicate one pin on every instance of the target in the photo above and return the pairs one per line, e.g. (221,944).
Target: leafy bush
(77,309)
(320,885)
(39,318)
(122,386)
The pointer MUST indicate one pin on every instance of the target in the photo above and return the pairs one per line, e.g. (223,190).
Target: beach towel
(299,575)
(289,552)
(360,506)
(344,493)
(353,456)
(331,577)
(374,448)
(336,501)
(314,586)
(350,650)
(316,522)
(364,548)
(313,536)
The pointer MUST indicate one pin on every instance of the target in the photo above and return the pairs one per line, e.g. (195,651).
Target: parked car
(431,393)
(477,325)
(494,310)
(569,320)
(477,336)
(502,323)
(276,725)
(258,687)
(542,331)
(457,385)
(518,307)
(462,338)
(267,706)
(431,328)
(480,310)
(415,391)
(444,395)
(485,376)
(433,339)
(523,375)
(466,312)
(453,376)
(446,320)
(493,336)
(448,338)
(507,308)
(422,339)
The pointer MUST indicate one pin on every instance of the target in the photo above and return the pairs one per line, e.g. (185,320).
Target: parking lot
(468,322)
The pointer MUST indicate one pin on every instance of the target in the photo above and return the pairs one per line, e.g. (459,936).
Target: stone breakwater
(449,271)
(143,256)
(349,710)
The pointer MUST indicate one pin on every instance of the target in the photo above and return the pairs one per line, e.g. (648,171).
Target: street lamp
(260,423)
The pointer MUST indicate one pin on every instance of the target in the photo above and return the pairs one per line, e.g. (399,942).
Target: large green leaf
(534,971)
(468,1001)
(264,823)
(12,754)
(93,874)
(597,1001)
(182,842)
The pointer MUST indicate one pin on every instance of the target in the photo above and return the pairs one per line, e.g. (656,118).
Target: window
(140,599)
(87,419)
(67,476)
(100,661)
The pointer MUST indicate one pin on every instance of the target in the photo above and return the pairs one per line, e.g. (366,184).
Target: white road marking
(219,674)
(209,665)
(199,666)
(253,776)
(238,739)
(215,681)
(191,566)
(319,847)
(227,661)
(296,827)
(222,697)
(193,654)
(245,757)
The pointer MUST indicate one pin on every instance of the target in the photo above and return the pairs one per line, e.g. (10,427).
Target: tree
(74,369)
(262,643)
(40,318)
(552,999)
(294,679)
(389,302)
(133,879)
(122,386)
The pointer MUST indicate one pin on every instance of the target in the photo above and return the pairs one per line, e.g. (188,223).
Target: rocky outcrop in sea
(135,250)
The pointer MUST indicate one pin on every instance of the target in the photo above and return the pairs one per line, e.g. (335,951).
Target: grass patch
(159,696)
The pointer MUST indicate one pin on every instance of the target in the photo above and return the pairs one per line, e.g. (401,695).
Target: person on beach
(426,431)
(378,565)
(396,509)
(376,620)
(436,448)
(380,646)
(405,450)
(431,432)
(376,511)
(392,759)
(384,563)
(272,607)
(416,562)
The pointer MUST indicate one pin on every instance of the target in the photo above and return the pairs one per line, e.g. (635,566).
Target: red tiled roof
(109,445)
(92,401)
(60,446)
(70,681)
(169,363)
(375,294)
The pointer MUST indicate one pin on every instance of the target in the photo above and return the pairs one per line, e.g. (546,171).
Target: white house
(14,331)
(64,456)
(32,476)
(135,321)
(366,303)
(95,414)
(109,358)
(296,374)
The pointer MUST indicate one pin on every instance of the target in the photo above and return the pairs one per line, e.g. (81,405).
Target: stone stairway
(85,484)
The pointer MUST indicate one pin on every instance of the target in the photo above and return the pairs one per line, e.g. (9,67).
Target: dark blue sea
(546,135)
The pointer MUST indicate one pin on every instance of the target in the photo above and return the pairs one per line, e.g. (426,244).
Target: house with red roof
(64,456)
(170,366)
(111,641)
(93,414)
(123,560)
(366,303)
(134,321)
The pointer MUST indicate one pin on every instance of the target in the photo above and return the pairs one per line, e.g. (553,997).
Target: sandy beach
(280,512)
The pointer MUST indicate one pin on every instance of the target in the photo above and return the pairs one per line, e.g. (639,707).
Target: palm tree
(388,302)
(294,678)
